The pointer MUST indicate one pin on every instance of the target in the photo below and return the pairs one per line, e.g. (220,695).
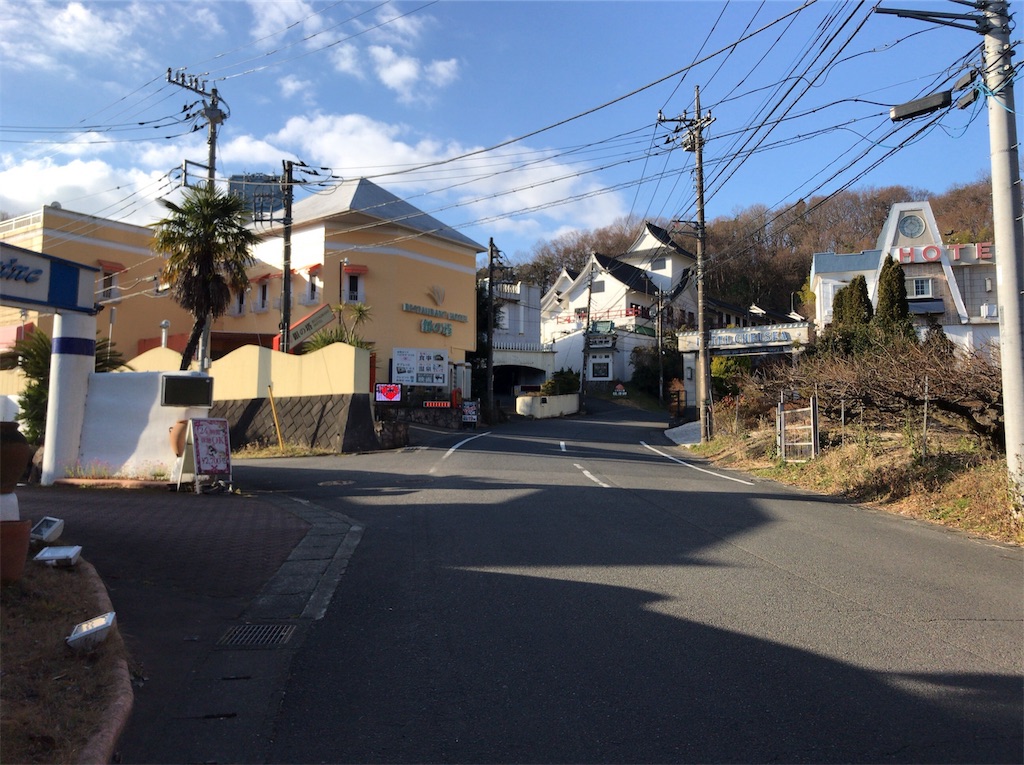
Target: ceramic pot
(14,542)
(15,454)
(178,432)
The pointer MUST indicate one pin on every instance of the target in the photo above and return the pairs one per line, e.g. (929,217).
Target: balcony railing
(519,345)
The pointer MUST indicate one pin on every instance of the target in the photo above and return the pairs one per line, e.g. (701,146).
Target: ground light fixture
(61,557)
(47,530)
(89,634)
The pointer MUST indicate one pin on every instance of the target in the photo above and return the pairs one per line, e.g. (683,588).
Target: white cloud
(394,28)
(345,59)
(207,21)
(39,35)
(442,73)
(407,76)
(397,72)
(272,20)
(249,154)
(355,145)
(92,187)
(291,87)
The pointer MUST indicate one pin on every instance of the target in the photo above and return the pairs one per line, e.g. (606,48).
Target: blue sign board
(36,281)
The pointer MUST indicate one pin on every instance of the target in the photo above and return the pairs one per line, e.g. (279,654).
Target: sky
(513,121)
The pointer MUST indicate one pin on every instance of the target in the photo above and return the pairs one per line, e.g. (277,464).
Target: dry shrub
(53,699)
(956,485)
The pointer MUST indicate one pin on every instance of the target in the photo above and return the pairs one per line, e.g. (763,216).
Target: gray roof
(367,198)
(830,262)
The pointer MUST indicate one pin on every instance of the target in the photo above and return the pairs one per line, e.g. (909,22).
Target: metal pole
(492,252)
(1006,220)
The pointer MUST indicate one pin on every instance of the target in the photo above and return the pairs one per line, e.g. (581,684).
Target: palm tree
(208,250)
(342,333)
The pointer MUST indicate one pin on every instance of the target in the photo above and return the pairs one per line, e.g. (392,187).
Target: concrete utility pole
(693,140)
(492,255)
(1006,206)
(288,189)
(214,116)
(1006,221)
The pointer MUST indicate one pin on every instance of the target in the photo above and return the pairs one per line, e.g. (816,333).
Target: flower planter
(14,542)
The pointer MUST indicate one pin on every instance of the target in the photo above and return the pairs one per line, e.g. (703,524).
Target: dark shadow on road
(482,632)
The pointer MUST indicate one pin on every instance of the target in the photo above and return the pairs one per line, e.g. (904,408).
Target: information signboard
(420,366)
(207,451)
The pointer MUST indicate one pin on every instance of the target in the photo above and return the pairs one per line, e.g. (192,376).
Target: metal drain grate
(257,635)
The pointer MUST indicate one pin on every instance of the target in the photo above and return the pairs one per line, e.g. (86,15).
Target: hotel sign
(961,254)
(431,326)
(34,281)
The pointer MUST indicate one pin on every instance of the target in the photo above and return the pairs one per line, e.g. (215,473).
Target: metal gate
(797,429)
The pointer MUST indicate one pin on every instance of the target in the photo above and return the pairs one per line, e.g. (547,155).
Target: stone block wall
(341,423)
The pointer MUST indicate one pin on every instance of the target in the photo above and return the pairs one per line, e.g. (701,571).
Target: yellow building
(358,243)
(355,243)
(127,283)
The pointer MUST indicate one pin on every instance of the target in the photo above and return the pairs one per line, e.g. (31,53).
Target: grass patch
(53,699)
(956,486)
(263,451)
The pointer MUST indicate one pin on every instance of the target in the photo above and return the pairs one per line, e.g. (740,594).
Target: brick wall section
(339,423)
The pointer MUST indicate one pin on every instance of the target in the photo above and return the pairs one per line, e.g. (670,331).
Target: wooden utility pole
(586,334)
(693,140)
(214,116)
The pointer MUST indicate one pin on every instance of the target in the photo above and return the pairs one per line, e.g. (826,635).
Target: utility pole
(1006,222)
(998,70)
(659,327)
(586,334)
(214,116)
(287,188)
(492,255)
(693,140)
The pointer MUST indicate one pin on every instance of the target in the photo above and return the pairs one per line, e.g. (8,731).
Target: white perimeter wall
(126,430)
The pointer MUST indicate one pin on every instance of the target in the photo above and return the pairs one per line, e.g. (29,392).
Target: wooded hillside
(763,256)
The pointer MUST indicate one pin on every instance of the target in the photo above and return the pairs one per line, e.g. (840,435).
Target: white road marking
(460,443)
(694,467)
(591,476)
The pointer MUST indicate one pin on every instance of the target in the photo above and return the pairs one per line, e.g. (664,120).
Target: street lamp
(994,24)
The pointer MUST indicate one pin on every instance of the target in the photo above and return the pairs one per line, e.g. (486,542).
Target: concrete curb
(100,747)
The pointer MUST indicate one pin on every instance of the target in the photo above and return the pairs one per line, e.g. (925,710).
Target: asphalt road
(581,590)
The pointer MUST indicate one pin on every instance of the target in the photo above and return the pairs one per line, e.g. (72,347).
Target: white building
(621,300)
(952,285)
(521,359)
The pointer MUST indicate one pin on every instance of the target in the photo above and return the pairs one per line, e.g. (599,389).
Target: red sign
(957,253)
(388,392)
